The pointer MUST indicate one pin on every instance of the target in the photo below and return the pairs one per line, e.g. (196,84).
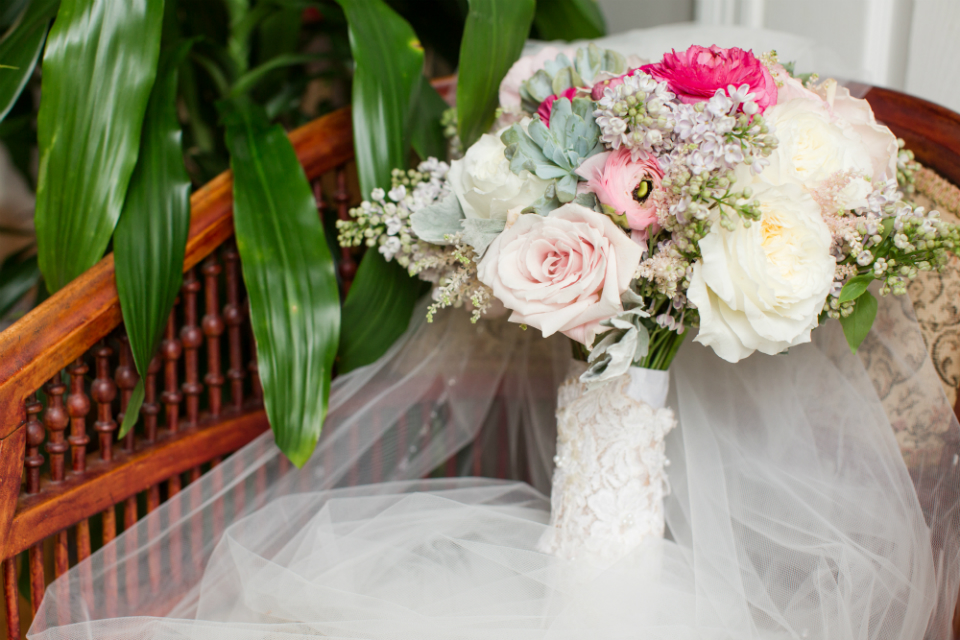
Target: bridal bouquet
(622,202)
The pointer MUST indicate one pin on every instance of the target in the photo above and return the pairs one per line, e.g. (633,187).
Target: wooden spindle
(37,579)
(171,349)
(233,317)
(11,598)
(213,326)
(110,596)
(151,408)
(348,266)
(191,337)
(61,557)
(35,432)
(56,420)
(78,406)
(126,379)
(103,391)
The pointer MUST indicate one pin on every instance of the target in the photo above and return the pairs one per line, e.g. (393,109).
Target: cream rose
(561,272)
(762,287)
(485,185)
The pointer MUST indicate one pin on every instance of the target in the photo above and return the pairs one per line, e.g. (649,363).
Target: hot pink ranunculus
(624,184)
(544,110)
(696,74)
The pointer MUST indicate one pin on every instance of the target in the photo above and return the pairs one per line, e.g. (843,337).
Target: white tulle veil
(813,495)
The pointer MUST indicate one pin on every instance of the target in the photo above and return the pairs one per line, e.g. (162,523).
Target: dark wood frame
(57,335)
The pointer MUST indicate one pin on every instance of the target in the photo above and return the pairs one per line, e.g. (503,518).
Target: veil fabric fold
(793,512)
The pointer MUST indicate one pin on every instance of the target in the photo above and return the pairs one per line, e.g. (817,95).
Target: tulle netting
(793,512)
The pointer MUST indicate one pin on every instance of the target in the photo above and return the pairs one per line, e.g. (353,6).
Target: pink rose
(696,74)
(544,110)
(523,69)
(624,184)
(561,272)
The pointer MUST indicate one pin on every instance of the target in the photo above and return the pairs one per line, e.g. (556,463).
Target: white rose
(763,287)
(813,145)
(561,272)
(485,185)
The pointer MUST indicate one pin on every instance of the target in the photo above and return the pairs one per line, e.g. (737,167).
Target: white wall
(623,15)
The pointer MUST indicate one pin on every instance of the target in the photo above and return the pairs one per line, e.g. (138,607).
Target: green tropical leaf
(20,49)
(98,69)
(18,274)
(427,133)
(492,41)
(389,63)
(151,236)
(569,20)
(857,325)
(250,79)
(377,310)
(289,273)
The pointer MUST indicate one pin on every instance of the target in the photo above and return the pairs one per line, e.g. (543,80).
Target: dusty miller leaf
(441,219)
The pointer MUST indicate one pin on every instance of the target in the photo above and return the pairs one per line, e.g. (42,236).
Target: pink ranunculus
(544,110)
(696,74)
(561,272)
(624,184)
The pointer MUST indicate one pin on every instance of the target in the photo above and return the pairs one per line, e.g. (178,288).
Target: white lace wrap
(610,478)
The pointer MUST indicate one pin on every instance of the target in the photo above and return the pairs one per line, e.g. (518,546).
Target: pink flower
(544,111)
(597,91)
(696,74)
(561,272)
(624,184)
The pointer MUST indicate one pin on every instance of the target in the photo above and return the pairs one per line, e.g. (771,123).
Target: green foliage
(99,67)
(426,132)
(20,49)
(439,220)
(554,153)
(289,274)
(855,287)
(569,20)
(376,312)
(389,63)
(18,274)
(492,41)
(857,325)
(151,236)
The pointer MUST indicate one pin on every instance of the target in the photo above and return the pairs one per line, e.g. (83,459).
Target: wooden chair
(55,480)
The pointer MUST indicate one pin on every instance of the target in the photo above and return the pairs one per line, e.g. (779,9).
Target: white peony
(485,185)
(762,287)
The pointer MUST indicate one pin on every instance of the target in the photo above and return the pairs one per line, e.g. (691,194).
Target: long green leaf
(98,70)
(492,41)
(151,236)
(857,325)
(389,63)
(374,320)
(251,78)
(427,133)
(17,276)
(20,49)
(288,270)
(569,20)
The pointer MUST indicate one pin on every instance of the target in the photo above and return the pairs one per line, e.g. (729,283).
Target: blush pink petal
(613,176)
